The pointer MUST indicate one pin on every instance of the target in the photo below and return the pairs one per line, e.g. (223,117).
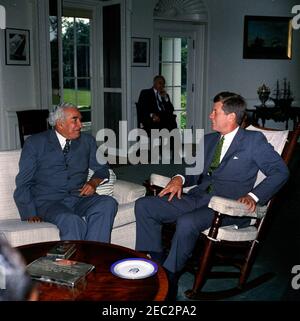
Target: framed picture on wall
(17,47)
(140,48)
(267,37)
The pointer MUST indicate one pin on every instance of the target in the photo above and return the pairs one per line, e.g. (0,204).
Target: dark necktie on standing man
(159,102)
(67,147)
(215,161)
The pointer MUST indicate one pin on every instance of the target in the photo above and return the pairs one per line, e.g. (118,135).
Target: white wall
(142,27)
(227,68)
(17,83)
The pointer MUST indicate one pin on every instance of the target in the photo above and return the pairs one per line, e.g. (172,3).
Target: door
(176,65)
(179,55)
(86,61)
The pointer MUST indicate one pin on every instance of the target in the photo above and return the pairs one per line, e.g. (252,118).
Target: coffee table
(100,284)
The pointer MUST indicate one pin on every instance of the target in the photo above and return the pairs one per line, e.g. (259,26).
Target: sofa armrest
(125,192)
(234,208)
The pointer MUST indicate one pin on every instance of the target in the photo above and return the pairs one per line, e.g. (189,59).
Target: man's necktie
(159,102)
(216,161)
(67,147)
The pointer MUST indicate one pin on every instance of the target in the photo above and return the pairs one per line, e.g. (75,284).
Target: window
(173,66)
(76,64)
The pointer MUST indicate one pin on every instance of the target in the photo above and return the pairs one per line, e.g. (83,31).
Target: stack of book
(62,250)
(56,268)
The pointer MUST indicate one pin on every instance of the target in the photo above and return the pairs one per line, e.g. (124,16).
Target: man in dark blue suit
(155,109)
(242,154)
(52,181)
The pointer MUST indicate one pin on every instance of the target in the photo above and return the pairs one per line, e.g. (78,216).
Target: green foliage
(183,112)
(83,97)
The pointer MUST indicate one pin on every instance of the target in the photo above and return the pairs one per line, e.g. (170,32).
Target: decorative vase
(263,94)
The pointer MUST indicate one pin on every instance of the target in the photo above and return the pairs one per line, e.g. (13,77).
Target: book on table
(62,250)
(59,271)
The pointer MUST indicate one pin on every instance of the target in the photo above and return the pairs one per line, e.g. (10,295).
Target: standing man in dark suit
(155,109)
(241,154)
(52,182)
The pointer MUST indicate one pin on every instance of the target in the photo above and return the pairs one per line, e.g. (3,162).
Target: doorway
(176,46)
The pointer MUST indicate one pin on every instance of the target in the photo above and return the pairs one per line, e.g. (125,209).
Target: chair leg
(245,270)
(201,274)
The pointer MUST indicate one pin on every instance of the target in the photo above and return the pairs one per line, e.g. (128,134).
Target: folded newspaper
(59,271)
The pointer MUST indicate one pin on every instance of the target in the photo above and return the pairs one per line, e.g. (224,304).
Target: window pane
(69,91)
(177,74)
(53,30)
(112,46)
(83,61)
(68,30)
(84,93)
(112,111)
(83,31)
(177,98)
(68,59)
(177,49)
(167,72)
(167,49)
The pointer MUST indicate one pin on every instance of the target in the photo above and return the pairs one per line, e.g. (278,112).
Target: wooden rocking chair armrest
(234,208)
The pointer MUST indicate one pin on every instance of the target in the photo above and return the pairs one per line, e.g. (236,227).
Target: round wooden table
(100,284)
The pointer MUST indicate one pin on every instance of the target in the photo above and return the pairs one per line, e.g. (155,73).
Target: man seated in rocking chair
(232,158)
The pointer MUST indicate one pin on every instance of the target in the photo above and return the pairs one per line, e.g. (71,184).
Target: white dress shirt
(61,139)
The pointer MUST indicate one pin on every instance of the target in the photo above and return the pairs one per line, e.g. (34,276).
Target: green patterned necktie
(216,161)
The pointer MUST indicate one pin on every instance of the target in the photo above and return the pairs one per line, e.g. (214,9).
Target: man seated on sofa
(52,185)
(232,158)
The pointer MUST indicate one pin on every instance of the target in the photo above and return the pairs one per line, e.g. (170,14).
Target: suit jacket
(45,175)
(235,177)
(147,105)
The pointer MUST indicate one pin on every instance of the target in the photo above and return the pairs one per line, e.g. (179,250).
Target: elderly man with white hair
(52,184)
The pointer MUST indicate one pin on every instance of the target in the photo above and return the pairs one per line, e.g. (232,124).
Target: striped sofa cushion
(108,187)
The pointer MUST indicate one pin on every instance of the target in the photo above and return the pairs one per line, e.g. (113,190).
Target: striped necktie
(67,147)
(159,102)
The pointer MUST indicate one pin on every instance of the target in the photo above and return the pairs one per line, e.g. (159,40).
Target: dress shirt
(61,139)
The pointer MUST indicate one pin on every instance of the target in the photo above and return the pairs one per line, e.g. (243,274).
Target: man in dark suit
(241,154)
(52,182)
(155,109)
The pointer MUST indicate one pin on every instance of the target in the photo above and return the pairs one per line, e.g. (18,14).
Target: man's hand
(163,93)
(249,202)
(89,188)
(174,187)
(34,219)
(155,118)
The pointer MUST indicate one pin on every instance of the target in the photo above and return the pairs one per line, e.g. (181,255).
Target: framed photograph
(267,37)
(17,47)
(140,52)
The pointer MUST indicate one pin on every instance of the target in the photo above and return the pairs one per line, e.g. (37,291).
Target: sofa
(18,232)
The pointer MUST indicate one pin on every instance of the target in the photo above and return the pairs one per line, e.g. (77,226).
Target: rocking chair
(229,237)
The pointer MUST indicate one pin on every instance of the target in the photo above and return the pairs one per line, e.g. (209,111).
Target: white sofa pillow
(108,187)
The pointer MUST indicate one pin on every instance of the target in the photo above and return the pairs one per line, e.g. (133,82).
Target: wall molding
(183,10)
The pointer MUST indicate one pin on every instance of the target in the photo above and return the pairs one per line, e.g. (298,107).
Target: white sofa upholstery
(18,232)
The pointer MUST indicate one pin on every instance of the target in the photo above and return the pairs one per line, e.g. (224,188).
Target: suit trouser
(82,218)
(151,212)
